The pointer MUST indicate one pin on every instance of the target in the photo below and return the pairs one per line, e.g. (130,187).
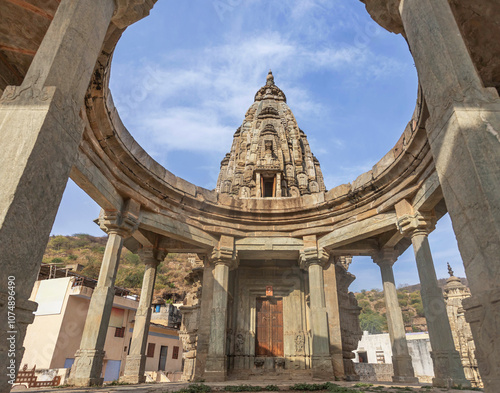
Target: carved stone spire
(270,155)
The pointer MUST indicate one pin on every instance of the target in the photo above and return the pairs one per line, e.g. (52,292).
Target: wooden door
(269,334)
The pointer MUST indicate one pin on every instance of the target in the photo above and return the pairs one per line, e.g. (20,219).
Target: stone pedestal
(448,370)
(87,368)
(135,364)
(401,360)
(463,133)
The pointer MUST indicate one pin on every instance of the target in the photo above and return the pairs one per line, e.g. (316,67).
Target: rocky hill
(373,312)
(87,251)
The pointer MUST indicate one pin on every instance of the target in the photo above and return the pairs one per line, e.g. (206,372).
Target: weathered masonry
(270,212)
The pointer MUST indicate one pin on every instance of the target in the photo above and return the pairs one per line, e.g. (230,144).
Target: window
(120,332)
(380,357)
(175,353)
(151,350)
(157,308)
(363,357)
(268,187)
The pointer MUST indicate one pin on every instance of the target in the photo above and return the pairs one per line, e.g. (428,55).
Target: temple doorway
(269,327)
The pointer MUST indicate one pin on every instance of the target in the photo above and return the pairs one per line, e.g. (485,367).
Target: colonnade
(462,131)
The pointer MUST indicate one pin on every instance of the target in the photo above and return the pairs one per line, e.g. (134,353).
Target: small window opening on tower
(269,187)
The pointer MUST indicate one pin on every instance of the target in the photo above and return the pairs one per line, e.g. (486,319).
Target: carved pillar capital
(225,253)
(151,256)
(122,224)
(224,256)
(342,260)
(419,223)
(385,256)
(313,256)
(128,12)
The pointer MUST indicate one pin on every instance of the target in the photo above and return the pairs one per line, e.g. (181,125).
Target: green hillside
(89,250)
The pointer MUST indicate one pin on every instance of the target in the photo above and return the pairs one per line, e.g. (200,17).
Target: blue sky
(183,78)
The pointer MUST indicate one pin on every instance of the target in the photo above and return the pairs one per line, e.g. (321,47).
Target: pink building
(55,335)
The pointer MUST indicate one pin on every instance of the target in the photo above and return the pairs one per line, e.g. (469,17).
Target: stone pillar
(448,370)
(464,136)
(135,363)
(258,185)
(401,359)
(278,185)
(333,311)
(40,130)
(224,258)
(314,259)
(87,368)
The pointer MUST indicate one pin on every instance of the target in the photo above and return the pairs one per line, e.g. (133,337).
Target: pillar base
(321,367)
(134,369)
(215,369)
(86,370)
(403,369)
(133,379)
(483,312)
(447,370)
(338,365)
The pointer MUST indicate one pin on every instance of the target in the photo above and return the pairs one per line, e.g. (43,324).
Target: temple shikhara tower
(270,156)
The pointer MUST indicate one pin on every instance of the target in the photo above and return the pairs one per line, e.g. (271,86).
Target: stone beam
(168,227)
(359,230)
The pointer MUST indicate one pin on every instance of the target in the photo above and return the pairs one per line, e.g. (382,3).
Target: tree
(372,322)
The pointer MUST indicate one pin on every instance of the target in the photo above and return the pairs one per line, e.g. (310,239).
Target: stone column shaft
(332,307)
(87,368)
(448,370)
(39,135)
(135,364)
(318,310)
(401,360)
(216,360)
(313,259)
(463,133)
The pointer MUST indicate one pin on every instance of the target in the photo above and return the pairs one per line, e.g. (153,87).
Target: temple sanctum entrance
(269,332)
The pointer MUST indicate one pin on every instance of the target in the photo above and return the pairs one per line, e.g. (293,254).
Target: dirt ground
(220,387)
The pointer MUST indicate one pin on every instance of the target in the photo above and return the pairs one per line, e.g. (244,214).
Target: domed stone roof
(270,155)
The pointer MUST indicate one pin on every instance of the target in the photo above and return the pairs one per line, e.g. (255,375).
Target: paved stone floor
(386,387)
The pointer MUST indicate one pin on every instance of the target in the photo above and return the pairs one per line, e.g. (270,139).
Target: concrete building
(373,357)
(58,120)
(55,335)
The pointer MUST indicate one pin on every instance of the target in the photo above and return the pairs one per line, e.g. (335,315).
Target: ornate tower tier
(270,155)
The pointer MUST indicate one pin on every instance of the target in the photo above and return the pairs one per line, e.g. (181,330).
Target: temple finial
(270,78)
(450,270)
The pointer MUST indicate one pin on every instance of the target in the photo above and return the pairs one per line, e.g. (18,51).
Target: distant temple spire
(450,270)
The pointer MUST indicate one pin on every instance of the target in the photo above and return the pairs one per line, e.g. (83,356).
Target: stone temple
(274,243)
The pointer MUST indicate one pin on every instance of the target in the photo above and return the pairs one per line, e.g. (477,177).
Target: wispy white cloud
(194,96)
